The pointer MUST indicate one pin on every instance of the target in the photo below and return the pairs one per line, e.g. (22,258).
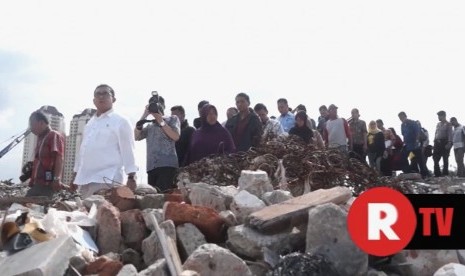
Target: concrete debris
(252,207)
(451,269)
(327,235)
(293,212)
(43,259)
(215,197)
(276,196)
(211,259)
(247,242)
(151,246)
(159,268)
(255,182)
(190,238)
(244,204)
(128,270)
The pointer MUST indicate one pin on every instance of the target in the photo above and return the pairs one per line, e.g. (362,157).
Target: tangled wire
(291,164)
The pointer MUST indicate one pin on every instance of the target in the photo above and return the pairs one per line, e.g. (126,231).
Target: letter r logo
(381,221)
(378,224)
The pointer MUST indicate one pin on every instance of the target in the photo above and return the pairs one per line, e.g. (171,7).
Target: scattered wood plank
(294,212)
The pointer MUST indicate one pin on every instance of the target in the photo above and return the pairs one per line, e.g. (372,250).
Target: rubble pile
(294,166)
(279,209)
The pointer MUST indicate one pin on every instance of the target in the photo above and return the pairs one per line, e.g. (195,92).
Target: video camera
(156,103)
(27,171)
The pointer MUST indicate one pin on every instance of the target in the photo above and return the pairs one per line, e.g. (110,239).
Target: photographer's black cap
(441,113)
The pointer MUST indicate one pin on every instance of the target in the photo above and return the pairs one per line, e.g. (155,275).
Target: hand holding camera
(155,107)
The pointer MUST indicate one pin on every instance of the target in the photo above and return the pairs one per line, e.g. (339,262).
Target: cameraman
(48,159)
(161,135)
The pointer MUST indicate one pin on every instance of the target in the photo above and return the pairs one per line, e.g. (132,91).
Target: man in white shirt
(337,132)
(271,127)
(107,148)
(286,119)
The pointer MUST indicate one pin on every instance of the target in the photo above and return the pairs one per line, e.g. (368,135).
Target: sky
(381,57)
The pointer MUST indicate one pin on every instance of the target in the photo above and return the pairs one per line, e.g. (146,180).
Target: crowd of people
(106,156)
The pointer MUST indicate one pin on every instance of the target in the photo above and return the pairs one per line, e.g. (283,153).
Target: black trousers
(440,151)
(162,178)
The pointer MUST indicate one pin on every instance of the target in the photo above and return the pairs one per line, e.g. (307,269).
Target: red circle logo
(381,221)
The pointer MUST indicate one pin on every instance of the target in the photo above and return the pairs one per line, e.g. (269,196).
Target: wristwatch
(162,124)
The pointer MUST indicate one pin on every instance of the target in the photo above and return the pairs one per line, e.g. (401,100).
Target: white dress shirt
(107,148)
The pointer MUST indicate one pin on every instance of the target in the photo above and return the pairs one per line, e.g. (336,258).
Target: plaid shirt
(47,144)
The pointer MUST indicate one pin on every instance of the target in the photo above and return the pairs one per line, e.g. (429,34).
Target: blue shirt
(410,131)
(287,121)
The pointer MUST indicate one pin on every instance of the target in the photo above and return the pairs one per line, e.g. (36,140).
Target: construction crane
(15,142)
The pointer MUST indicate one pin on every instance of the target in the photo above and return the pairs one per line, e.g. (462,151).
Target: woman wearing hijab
(301,128)
(210,138)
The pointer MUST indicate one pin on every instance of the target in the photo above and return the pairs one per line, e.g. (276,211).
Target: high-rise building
(57,123)
(73,141)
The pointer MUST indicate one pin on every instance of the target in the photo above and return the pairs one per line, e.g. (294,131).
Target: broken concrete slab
(211,259)
(276,196)
(248,242)
(215,197)
(294,211)
(190,238)
(43,259)
(128,270)
(159,268)
(451,269)
(151,247)
(327,235)
(244,204)
(255,182)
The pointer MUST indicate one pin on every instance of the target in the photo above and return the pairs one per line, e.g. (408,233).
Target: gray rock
(244,204)
(189,238)
(97,199)
(255,182)
(245,241)
(210,260)
(131,256)
(276,196)
(327,234)
(215,197)
(42,259)
(159,268)
(128,270)
(151,246)
(151,201)
(451,269)
(158,213)
(229,218)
